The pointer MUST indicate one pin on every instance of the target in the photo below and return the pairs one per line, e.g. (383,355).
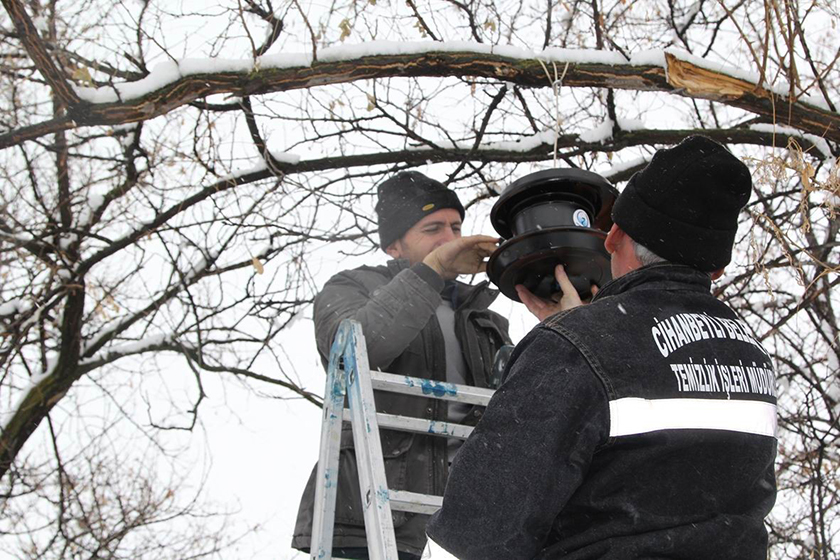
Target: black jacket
(639,426)
(396,306)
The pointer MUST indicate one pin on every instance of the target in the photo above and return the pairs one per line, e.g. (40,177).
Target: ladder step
(404,384)
(414,503)
(418,425)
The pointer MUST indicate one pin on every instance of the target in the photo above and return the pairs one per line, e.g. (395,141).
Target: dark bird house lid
(557,216)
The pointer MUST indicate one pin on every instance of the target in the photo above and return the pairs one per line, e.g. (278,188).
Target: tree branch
(677,77)
(33,44)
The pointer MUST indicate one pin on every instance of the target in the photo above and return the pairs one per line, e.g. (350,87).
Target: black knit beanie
(405,199)
(684,204)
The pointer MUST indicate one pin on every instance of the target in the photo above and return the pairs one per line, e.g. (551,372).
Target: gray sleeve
(391,316)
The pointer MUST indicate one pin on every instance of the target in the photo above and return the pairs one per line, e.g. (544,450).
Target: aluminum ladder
(357,382)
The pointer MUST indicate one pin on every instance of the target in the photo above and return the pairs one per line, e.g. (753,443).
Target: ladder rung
(393,383)
(415,503)
(418,425)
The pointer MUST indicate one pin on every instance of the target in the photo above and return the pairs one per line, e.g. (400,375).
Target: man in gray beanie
(418,321)
(642,425)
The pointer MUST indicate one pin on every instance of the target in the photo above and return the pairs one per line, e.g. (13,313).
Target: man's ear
(394,250)
(718,273)
(614,238)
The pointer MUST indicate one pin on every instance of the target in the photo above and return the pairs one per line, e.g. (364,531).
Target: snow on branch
(817,142)
(116,351)
(174,84)
(170,72)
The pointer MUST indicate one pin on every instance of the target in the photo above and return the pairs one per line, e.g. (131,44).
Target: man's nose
(448,235)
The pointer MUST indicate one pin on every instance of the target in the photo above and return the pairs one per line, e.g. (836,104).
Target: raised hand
(465,255)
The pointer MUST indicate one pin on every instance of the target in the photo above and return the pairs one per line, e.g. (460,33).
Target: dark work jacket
(396,307)
(639,426)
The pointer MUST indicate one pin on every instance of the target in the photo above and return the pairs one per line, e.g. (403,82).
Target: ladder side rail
(326,480)
(379,524)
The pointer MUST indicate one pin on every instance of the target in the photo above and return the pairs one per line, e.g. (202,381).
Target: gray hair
(645,255)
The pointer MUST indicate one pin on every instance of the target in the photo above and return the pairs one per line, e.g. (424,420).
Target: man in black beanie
(418,321)
(642,425)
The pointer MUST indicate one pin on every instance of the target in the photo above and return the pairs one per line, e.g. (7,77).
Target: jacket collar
(658,276)
(478,296)
(397,265)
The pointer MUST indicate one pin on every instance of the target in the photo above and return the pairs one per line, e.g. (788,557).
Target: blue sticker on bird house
(580,218)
